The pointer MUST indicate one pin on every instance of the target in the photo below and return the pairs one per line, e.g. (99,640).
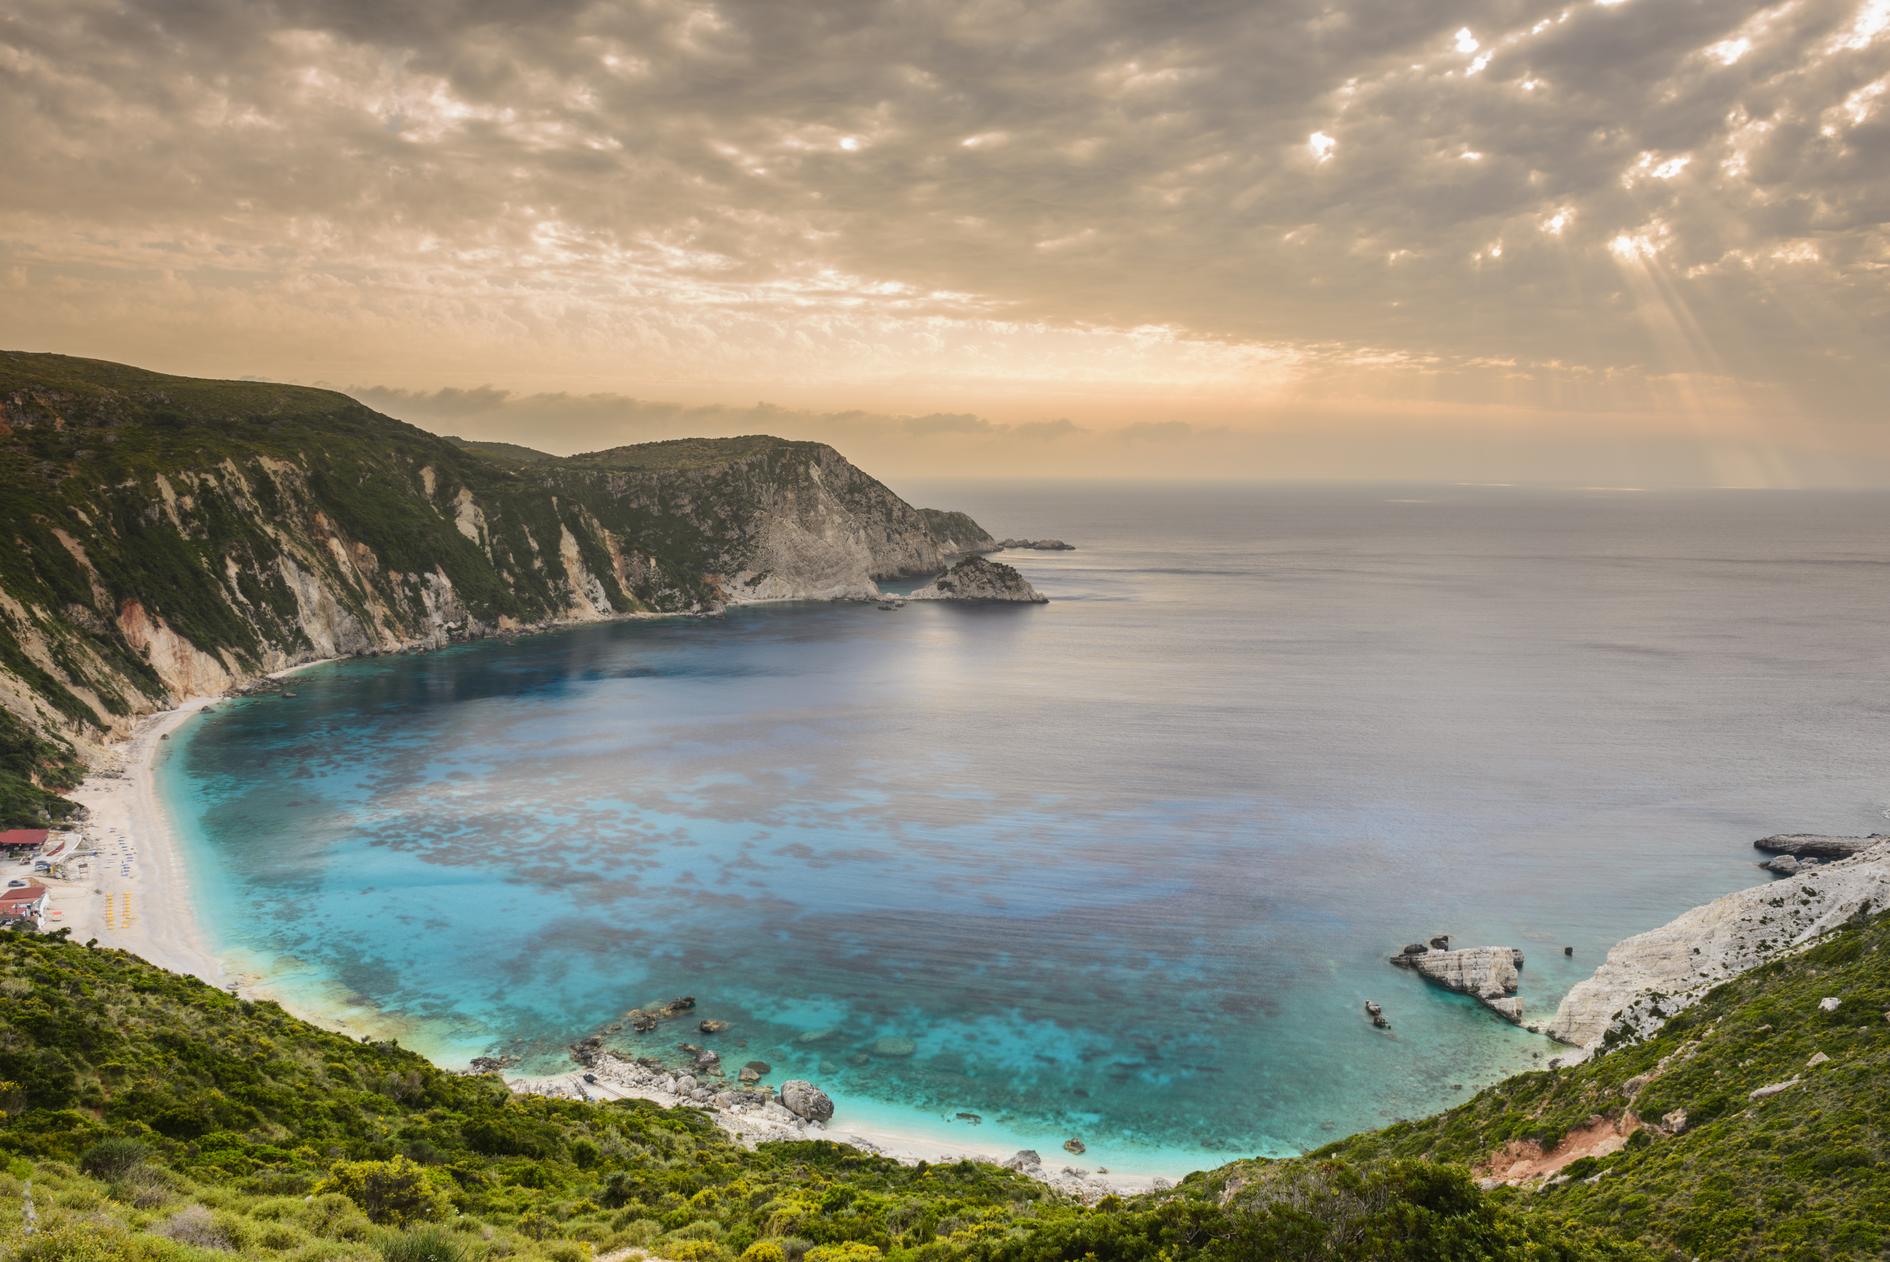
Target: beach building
(23,902)
(21,843)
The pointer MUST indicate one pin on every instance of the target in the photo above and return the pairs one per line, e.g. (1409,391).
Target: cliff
(163,537)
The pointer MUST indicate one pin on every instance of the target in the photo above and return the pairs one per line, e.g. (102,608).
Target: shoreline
(138,898)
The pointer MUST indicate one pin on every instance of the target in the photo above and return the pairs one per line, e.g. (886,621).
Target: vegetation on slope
(157,1117)
(1800,1174)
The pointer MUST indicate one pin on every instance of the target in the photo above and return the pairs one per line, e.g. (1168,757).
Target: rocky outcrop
(806,1101)
(1651,976)
(1036,545)
(1489,974)
(981,579)
(1817,845)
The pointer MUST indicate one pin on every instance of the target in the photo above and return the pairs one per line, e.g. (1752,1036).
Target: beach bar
(20,843)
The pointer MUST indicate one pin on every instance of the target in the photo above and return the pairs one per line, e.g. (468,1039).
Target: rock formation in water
(1818,846)
(1037,545)
(168,537)
(1491,975)
(979,578)
(1651,976)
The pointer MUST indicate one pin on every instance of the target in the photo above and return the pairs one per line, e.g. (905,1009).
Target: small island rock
(1488,974)
(976,578)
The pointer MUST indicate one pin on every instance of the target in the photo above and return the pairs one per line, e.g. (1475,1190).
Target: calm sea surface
(1122,867)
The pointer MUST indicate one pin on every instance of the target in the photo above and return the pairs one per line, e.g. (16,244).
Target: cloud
(967,206)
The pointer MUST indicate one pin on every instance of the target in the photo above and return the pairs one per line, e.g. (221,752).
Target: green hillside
(156,1117)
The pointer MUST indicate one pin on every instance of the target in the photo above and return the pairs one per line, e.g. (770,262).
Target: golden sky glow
(1630,242)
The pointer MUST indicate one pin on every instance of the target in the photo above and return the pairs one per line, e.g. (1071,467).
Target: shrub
(425,1244)
(764,1251)
(392,1192)
(851,1251)
(73,1242)
(113,1158)
(194,1225)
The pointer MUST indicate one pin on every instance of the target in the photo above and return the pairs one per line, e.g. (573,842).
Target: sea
(1123,868)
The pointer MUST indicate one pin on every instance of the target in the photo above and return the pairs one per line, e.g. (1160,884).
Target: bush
(851,1251)
(764,1251)
(72,1242)
(194,1225)
(425,1244)
(113,1158)
(392,1193)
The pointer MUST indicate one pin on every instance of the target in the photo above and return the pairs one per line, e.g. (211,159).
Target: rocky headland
(1489,974)
(1651,976)
(981,579)
(179,538)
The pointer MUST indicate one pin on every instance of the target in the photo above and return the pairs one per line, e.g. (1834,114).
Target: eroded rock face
(1488,974)
(806,1101)
(977,578)
(1653,975)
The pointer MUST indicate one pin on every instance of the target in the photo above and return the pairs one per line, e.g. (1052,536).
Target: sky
(1618,242)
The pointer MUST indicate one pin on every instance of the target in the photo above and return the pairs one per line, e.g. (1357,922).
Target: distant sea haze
(1124,867)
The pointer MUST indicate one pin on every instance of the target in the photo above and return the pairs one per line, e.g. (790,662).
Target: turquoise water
(1122,867)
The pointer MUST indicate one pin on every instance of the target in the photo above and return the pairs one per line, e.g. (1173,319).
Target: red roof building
(26,901)
(22,838)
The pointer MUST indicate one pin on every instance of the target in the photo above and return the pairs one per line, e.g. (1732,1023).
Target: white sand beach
(134,893)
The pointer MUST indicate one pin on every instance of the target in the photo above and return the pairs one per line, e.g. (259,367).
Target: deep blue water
(1124,866)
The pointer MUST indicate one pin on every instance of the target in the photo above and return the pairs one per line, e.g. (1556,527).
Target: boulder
(806,1101)
(1075,1147)
(711,1026)
(1760,1093)
(1829,1003)
(1782,864)
(1441,942)
(1372,1009)
(976,578)
(1024,1159)
(1674,1122)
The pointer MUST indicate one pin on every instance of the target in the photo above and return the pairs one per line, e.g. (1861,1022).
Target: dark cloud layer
(1656,208)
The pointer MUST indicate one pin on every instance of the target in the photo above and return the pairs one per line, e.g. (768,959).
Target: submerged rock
(806,1101)
(976,578)
(895,1046)
(1490,975)
(1075,1147)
